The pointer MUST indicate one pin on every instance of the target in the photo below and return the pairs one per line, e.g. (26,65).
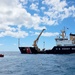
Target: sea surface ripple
(15,63)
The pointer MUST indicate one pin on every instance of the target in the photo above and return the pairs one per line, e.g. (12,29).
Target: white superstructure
(62,40)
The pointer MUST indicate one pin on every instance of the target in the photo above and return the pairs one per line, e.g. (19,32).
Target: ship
(64,45)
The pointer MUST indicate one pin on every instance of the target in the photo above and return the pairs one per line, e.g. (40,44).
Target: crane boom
(39,35)
(35,41)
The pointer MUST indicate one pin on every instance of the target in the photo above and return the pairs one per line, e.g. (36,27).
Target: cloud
(43,8)
(34,6)
(18,34)
(47,21)
(13,13)
(47,34)
(53,11)
(24,2)
(57,11)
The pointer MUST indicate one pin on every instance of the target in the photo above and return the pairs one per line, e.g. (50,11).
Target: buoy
(1,55)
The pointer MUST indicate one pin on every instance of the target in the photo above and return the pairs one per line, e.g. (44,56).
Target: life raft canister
(28,50)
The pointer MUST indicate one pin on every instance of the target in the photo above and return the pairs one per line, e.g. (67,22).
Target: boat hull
(54,50)
(28,50)
(1,55)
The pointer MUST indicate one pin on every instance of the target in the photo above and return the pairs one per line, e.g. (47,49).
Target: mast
(43,45)
(63,33)
(18,42)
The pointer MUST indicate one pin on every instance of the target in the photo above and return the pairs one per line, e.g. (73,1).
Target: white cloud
(57,11)
(24,1)
(18,34)
(5,28)
(48,21)
(47,34)
(43,8)
(34,6)
(72,10)
(13,14)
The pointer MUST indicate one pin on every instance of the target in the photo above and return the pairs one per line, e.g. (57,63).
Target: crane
(36,41)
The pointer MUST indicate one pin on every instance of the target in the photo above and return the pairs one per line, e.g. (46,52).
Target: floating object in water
(1,55)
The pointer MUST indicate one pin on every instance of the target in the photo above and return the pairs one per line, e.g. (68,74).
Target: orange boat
(1,55)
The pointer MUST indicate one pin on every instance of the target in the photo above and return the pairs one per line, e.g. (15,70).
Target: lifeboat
(1,55)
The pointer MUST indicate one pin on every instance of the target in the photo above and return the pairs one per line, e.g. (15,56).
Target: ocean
(15,63)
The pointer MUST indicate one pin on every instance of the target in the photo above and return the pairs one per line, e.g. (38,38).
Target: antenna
(18,42)
(44,45)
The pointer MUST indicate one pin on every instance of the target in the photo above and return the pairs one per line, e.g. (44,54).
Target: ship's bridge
(62,40)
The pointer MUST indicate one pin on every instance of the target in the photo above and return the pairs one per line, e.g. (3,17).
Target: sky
(25,19)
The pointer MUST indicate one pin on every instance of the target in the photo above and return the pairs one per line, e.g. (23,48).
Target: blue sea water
(15,63)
